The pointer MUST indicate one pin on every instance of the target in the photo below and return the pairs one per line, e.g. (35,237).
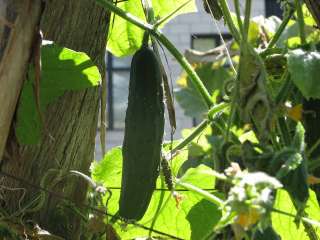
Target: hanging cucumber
(144,126)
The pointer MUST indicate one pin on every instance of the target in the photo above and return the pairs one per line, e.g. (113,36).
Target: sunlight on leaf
(125,38)
(62,69)
(183,224)
(285,225)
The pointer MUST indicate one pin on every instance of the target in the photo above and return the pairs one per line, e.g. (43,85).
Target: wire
(57,195)
(223,41)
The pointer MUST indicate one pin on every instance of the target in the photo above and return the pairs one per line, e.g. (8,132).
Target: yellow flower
(312,180)
(295,113)
(249,218)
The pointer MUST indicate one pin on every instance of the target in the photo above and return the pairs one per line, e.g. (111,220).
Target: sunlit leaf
(125,38)
(185,223)
(62,69)
(285,225)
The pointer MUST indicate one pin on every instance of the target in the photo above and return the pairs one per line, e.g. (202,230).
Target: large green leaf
(304,69)
(182,220)
(62,69)
(285,225)
(125,38)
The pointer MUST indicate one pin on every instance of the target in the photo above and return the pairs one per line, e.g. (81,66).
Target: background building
(194,30)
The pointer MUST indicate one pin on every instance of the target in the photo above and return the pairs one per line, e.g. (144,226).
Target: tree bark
(17,26)
(72,121)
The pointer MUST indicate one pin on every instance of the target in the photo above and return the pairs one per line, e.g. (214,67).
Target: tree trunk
(72,121)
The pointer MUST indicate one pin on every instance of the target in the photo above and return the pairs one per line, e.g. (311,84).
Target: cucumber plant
(255,124)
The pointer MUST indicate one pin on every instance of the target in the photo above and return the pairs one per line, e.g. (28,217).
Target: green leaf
(62,69)
(203,226)
(108,170)
(285,225)
(125,38)
(190,101)
(304,69)
(202,172)
(176,220)
(213,77)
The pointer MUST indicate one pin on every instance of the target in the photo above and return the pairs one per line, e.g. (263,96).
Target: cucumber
(144,127)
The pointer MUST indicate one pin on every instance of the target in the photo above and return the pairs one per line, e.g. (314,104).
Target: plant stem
(314,164)
(227,17)
(164,40)
(186,66)
(216,109)
(206,195)
(284,131)
(236,4)
(278,33)
(211,116)
(192,135)
(247,20)
(301,22)
(313,147)
(303,219)
(285,88)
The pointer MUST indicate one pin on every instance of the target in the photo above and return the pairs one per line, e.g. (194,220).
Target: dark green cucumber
(144,126)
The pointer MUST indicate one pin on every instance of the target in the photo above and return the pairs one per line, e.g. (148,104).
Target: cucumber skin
(144,127)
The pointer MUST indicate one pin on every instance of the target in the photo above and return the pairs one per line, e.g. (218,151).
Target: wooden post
(18,20)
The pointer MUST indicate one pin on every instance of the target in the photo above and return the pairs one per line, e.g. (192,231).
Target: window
(273,8)
(118,83)
(205,42)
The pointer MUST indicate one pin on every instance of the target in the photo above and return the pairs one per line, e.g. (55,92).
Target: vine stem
(278,33)
(227,17)
(301,22)
(206,195)
(246,23)
(165,41)
(236,4)
(211,116)
(303,219)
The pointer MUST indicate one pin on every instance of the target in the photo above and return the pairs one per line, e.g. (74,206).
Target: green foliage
(285,225)
(185,223)
(202,227)
(214,77)
(304,69)
(62,70)
(125,38)
(243,145)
